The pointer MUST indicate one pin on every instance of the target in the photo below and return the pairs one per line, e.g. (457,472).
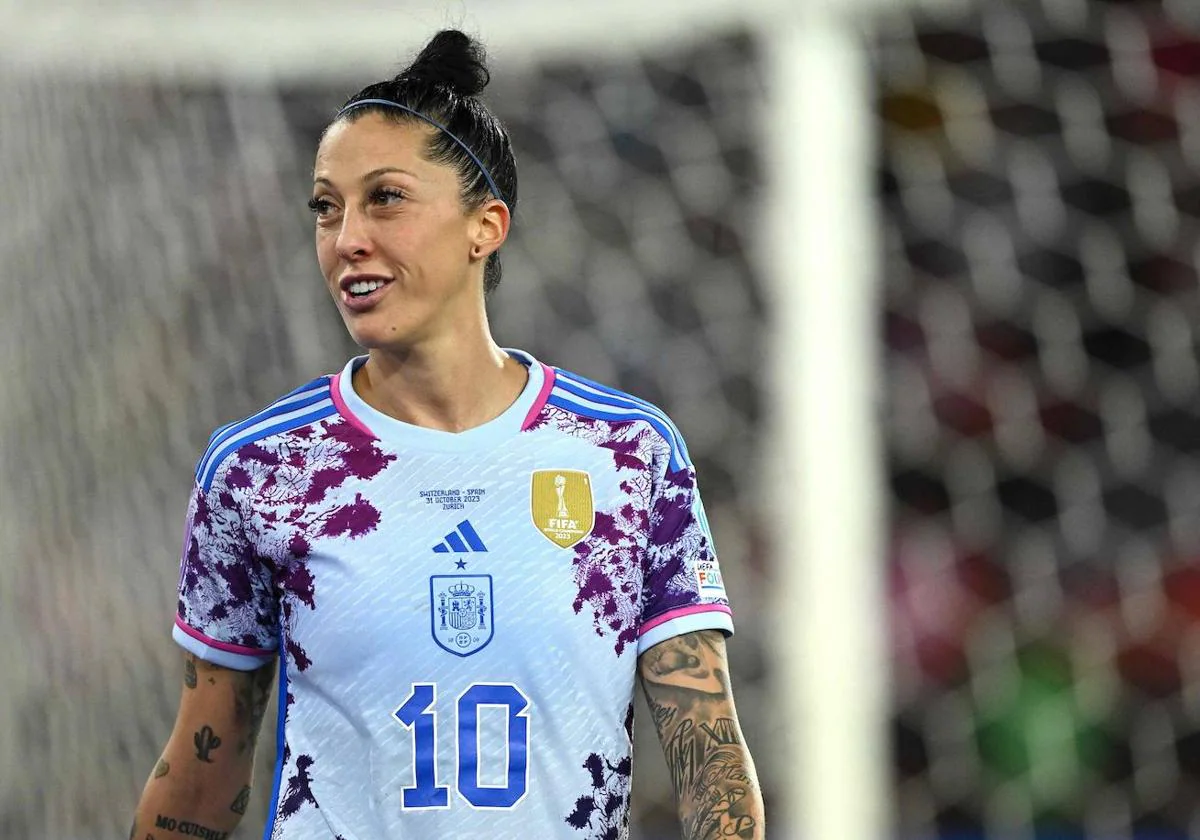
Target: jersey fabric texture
(458,616)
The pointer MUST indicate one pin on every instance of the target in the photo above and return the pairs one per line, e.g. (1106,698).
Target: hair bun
(453,59)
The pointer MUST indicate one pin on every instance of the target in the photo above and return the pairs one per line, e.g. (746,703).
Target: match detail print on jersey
(560,502)
(461,612)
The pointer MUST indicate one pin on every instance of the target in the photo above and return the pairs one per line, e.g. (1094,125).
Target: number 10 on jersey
(418,714)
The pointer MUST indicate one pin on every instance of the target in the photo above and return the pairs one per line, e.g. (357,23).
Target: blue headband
(390,104)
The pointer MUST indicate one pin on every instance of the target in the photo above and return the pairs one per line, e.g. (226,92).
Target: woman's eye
(320,207)
(387,195)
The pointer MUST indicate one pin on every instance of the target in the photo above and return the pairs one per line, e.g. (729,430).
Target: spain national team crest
(561,504)
(461,612)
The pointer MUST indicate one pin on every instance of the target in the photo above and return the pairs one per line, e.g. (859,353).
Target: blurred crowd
(1039,177)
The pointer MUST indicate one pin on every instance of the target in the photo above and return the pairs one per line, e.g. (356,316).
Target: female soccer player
(461,556)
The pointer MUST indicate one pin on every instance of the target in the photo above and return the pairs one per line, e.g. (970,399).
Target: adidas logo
(462,540)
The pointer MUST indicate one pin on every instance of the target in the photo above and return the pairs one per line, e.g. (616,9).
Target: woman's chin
(374,340)
(382,337)
(370,331)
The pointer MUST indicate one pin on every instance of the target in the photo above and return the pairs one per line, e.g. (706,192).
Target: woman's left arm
(686,680)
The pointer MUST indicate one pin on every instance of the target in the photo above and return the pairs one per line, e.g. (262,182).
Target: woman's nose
(353,240)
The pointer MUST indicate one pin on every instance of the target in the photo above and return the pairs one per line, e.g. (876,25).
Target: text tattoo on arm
(189,828)
(687,689)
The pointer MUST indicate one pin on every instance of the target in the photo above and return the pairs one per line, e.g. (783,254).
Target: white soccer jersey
(458,616)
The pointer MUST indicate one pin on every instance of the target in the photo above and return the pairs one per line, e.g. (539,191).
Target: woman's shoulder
(300,407)
(604,404)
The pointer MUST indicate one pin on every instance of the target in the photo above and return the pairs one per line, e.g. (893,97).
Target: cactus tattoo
(206,741)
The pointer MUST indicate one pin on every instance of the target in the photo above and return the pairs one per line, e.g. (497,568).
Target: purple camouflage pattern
(638,561)
(604,812)
(249,535)
(248,539)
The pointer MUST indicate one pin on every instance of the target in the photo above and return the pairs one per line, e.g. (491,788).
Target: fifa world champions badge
(462,616)
(560,502)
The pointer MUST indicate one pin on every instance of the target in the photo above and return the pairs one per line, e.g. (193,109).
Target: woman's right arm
(201,783)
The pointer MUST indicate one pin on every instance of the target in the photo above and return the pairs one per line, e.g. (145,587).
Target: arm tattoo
(192,665)
(243,799)
(688,693)
(206,741)
(251,692)
(188,828)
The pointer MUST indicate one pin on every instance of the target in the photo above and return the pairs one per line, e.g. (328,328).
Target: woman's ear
(492,221)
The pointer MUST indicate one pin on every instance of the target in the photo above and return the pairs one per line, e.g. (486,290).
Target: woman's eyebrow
(384,170)
(374,173)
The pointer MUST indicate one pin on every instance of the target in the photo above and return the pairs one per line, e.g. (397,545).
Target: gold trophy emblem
(560,502)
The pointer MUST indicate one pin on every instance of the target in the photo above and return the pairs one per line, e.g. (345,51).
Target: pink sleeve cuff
(685,620)
(226,654)
(682,611)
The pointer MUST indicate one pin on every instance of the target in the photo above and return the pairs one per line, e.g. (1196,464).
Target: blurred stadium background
(1039,175)
(1027,240)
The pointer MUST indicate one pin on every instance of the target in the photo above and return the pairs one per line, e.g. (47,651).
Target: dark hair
(442,83)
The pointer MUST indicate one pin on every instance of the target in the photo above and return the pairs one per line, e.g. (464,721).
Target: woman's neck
(452,384)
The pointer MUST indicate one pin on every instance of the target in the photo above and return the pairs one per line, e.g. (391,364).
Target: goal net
(159,276)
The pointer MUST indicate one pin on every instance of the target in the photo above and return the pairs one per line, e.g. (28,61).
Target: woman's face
(401,256)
